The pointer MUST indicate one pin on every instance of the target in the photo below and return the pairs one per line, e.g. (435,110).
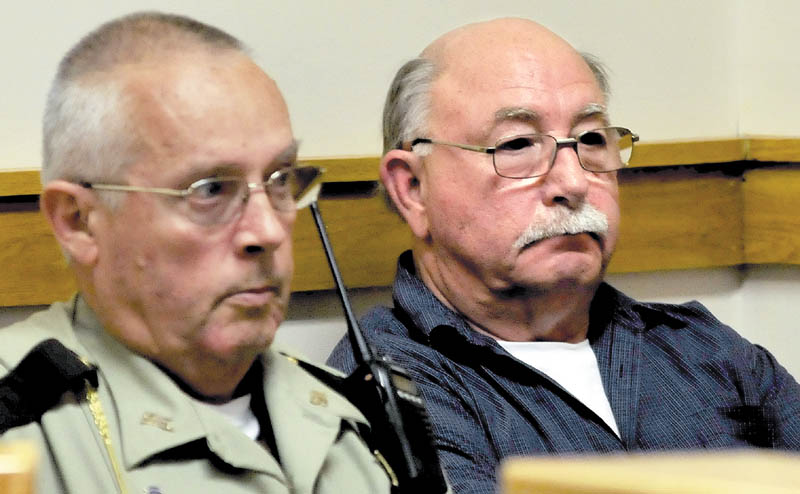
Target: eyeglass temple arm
(409,145)
(134,188)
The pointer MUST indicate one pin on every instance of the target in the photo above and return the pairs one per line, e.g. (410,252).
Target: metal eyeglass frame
(309,177)
(571,142)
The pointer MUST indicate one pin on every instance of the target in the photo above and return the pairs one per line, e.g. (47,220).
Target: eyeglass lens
(600,150)
(219,200)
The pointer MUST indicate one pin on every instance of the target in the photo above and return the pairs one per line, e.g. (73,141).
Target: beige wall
(679,69)
(768,67)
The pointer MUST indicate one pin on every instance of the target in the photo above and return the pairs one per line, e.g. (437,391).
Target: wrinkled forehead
(222,108)
(516,69)
(507,51)
(198,83)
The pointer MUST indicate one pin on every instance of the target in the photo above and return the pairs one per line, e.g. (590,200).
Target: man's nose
(566,182)
(261,227)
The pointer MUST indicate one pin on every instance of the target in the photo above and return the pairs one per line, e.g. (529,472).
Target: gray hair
(405,113)
(407,107)
(600,73)
(88,133)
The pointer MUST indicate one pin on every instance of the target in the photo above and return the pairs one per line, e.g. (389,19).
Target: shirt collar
(435,321)
(610,307)
(429,315)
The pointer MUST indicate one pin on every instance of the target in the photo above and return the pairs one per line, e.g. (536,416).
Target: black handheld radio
(389,399)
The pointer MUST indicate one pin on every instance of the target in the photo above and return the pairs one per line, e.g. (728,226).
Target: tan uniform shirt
(164,442)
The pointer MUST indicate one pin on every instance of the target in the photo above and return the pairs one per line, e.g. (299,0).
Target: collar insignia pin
(155,420)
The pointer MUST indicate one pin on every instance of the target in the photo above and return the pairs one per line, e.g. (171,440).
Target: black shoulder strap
(342,386)
(331,380)
(39,381)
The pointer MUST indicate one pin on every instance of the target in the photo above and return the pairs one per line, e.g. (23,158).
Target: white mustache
(554,221)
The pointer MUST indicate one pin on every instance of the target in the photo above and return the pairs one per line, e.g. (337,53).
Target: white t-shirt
(573,366)
(239,413)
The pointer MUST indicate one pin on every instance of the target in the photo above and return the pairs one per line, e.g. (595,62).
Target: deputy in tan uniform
(171,185)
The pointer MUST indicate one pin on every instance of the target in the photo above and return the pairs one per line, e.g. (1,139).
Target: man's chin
(232,348)
(236,329)
(564,268)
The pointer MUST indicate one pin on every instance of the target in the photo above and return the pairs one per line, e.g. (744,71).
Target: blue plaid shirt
(675,376)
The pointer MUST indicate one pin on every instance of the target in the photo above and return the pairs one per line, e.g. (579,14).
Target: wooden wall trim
(694,152)
(780,149)
(648,154)
(19,183)
(694,204)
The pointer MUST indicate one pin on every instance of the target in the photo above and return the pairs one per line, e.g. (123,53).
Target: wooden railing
(690,204)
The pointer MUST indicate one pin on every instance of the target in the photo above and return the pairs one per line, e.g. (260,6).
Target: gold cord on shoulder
(102,427)
(387,467)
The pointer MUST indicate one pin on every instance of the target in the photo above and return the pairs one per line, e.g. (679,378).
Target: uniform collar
(154,415)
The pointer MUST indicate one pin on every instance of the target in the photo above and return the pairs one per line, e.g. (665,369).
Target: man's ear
(400,174)
(68,208)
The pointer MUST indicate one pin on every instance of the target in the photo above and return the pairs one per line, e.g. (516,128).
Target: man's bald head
(466,52)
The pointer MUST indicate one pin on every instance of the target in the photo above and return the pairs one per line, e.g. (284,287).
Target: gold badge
(318,398)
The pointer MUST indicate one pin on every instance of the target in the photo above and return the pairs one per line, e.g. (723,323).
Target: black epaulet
(39,381)
(328,378)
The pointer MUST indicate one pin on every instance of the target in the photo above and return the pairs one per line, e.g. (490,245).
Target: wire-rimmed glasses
(601,150)
(219,200)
